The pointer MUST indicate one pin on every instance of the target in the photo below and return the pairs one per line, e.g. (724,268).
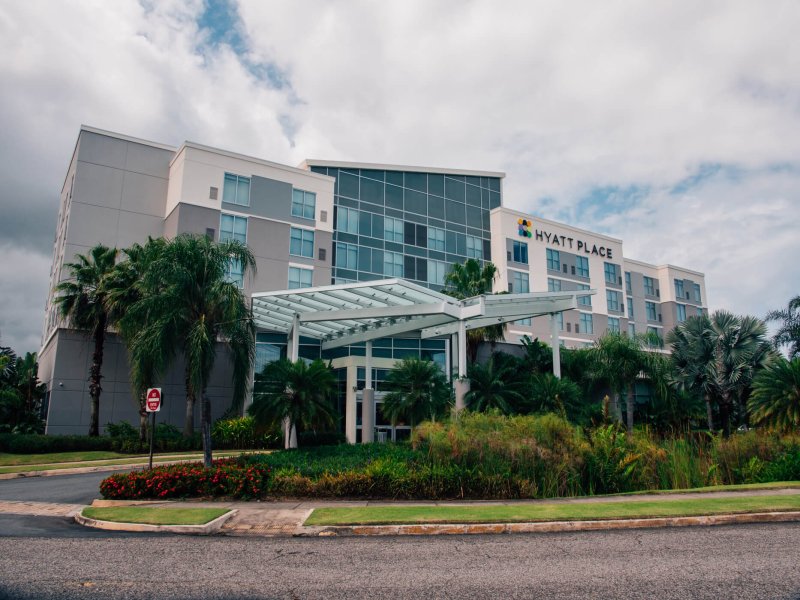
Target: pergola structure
(353,313)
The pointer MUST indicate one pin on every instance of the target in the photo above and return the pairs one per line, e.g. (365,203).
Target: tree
(788,333)
(416,390)
(538,355)
(82,301)
(189,303)
(296,391)
(775,400)
(719,356)
(469,280)
(495,385)
(147,359)
(620,359)
(548,393)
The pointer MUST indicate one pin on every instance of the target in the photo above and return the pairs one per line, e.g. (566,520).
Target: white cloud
(565,98)
(23,291)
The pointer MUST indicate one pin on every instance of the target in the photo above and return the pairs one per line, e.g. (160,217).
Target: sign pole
(152,435)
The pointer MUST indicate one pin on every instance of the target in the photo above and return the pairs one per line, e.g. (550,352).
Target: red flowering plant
(226,478)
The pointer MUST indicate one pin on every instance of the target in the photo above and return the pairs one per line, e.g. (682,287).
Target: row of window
(236,190)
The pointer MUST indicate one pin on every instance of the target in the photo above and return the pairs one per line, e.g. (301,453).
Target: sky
(674,125)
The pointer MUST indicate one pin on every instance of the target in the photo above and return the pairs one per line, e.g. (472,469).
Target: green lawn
(524,513)
(20,463)
(154,516)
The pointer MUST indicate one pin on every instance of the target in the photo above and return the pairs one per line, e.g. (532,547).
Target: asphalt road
(66,489)
(742,562)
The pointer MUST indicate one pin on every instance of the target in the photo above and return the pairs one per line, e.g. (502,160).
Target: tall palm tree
(416,390)
(147,360)
(295,391)
(468,280)
(775,400)
(788,333)
(495,385)
(621,359)
(189,304)
(82,301)
(548,393)
(692,347)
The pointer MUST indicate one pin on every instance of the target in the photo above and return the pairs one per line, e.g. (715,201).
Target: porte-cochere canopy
(351,313)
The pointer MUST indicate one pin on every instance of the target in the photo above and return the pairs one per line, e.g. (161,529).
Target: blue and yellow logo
(525,227)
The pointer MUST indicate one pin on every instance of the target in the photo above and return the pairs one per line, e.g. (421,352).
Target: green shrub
(309,439)
(242,433)
(43,444)
(123,429)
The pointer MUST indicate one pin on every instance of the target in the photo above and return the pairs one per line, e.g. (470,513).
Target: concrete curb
(209,528)
(546,527)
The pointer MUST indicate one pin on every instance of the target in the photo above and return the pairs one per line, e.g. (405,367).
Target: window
(474,247)
(393,230)
(393,264)
(587,325)
(519,252)
(611,271)
(630,308)
(236,190)
(696,288)
(436,272)
(524,322)
(650,309)
(304,204)
(631,328)
(346,256)
(346,220)
(699,312)
(652,332)
(560,319)
(520,282)
(232,227)
(299,278)
(584,300)
(649,286)
(235,273)
(582,266)
(628,286)
(613,324)
(681,312)
(436,239)
(301,242)
(612,300)
(553,285)
(553,260)
(679,289)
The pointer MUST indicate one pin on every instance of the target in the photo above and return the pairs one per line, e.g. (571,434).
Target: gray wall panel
(148,160)
(102,150)
(98,185)
(144,194)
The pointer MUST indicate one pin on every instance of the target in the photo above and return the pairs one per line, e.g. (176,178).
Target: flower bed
(227,478)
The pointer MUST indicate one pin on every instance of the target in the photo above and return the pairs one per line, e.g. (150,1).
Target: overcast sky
(672,125)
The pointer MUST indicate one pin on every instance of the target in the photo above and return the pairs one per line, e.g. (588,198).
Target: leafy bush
(123,429)
(227,478)
(42,444)
(310,439)
(242,433)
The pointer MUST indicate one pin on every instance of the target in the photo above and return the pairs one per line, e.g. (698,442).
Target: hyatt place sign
(526,230)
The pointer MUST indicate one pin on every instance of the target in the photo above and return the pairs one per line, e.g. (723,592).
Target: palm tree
(146,361)
(548,393)
(468,280)
(538,355)
(416,390)
(189,304)
(719,357)
(28,384)
(788,333)
(295,391)
(692,347)
(82,301)
(621,359)
(495,385)
(775,400)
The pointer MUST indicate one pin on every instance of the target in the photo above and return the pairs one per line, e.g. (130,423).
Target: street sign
(153,400)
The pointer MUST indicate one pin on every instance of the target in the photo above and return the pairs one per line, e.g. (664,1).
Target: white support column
(368,401)
(293,353)
(448,365)
(350,424)
(461,385)
(556,342)
(454,353)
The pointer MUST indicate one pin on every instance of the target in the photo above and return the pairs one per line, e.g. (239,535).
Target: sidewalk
(286,518)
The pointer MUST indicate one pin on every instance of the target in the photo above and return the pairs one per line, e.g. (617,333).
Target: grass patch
(721,488)
(62,460)
(57,457)
(526,513)
(149,515)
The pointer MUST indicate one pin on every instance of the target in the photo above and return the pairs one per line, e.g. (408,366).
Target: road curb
(209,528)
(546,527)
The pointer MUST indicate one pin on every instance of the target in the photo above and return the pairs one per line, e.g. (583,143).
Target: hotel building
(321,223)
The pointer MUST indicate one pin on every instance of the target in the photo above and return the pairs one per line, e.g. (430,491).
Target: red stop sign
(153,400)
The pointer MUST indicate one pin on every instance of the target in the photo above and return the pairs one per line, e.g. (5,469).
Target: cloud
(24,292)
(675,126)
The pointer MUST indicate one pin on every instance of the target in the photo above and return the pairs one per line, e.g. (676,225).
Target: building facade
(321,223)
